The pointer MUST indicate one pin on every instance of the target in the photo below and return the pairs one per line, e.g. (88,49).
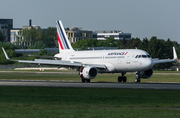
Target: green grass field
(55,102)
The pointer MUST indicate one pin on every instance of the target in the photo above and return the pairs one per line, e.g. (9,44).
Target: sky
(141,18)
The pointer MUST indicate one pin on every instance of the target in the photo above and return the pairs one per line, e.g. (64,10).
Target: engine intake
(146,74)
(89,72)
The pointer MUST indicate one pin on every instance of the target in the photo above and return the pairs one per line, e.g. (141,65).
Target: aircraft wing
(50,62)
(55,62)
(157,61)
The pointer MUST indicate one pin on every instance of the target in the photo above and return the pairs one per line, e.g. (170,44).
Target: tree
(30,36)
(110,42)
(123,44)
(39,45)
(153,47)
(42,52)
(133,43)
(144,44)
(50,37)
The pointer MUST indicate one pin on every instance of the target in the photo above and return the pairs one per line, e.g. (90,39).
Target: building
(5,26)
(16,37)
(76,33)
(103,35)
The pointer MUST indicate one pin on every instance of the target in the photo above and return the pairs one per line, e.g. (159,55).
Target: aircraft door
(128,59)
(102,58)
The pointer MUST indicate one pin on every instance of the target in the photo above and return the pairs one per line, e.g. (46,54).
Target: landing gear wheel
(124,79)
(137,80)
(83,80)
(119,79)
(88,80)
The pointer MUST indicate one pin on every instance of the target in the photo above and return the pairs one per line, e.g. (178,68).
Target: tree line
(37,38)
(40,39)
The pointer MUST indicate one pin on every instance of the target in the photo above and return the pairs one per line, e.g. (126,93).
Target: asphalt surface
(168,86)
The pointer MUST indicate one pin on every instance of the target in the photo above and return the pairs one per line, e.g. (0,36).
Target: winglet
(5,54)
(174,53)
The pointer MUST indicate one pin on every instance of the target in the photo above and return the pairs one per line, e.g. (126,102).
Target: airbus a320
(90,63)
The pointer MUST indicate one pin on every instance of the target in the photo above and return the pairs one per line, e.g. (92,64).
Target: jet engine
(88,72)
(146,74)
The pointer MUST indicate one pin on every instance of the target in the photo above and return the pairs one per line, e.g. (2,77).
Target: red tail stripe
(60,42)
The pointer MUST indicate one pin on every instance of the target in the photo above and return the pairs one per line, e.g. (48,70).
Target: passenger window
(139,56)
(136,56)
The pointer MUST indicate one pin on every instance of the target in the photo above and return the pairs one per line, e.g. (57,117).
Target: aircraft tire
(124,79)
(120,79)
(83,80)
(137,80)
(88,80)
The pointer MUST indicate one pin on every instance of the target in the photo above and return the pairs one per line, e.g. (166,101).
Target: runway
(168,86)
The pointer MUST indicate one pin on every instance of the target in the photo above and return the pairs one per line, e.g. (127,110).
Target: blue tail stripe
(64,39)
(61,37)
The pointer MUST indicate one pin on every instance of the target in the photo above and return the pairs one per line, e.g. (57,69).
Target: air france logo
(117,53)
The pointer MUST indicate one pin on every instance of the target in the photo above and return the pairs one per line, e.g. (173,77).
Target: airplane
(90,63)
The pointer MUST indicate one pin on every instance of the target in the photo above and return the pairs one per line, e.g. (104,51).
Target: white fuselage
(115,60)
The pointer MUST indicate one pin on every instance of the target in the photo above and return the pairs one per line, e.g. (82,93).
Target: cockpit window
(142,56)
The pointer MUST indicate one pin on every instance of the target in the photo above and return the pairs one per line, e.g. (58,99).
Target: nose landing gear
(137,80)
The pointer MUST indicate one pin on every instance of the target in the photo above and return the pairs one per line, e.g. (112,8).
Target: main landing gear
(84,80)
(122,78)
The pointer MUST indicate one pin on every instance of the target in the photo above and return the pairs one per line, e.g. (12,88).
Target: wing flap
(51,62)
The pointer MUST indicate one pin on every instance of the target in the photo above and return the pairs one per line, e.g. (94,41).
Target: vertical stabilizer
(64,44)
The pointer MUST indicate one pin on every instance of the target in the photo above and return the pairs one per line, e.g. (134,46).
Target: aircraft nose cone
(149,63)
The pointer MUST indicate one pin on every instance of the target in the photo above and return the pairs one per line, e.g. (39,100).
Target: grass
(77,102)
(73,76)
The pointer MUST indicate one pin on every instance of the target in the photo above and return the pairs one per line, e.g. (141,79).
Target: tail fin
(64,44)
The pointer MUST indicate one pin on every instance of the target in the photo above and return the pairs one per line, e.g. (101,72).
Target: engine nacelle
(146,74)
(89,72)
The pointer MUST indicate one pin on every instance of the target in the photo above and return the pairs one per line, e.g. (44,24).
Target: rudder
(64,44)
